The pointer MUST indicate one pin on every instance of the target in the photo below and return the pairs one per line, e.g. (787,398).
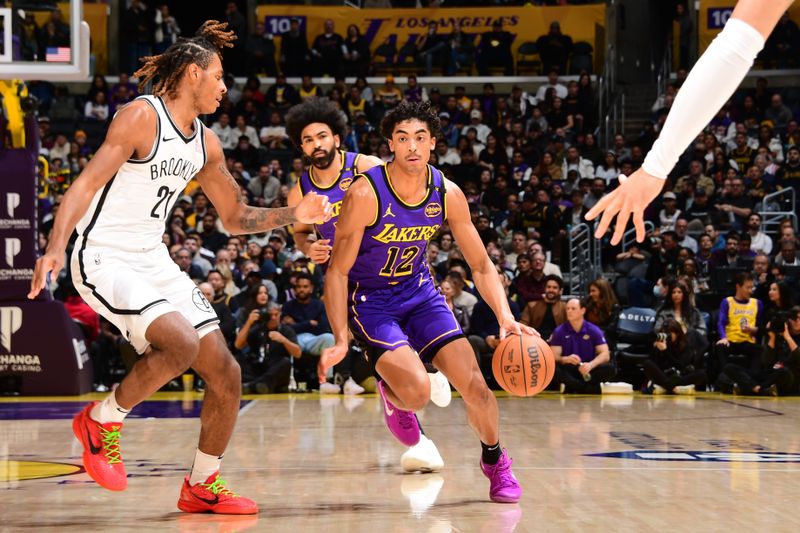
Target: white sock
(108,411)
(204,465)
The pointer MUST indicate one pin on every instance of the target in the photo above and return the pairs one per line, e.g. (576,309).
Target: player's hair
(313,110)
(169,67)
(422,111)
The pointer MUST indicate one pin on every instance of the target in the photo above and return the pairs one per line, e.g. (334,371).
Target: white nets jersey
(130,212)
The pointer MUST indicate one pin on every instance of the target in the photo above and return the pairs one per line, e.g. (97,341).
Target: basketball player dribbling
(378,278)
(120,266)
(713,79)
(316,128)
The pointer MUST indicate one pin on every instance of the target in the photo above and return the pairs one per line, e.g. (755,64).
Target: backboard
(43,40)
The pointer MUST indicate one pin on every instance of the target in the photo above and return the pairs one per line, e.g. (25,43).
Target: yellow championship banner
(399,26)
(714,14)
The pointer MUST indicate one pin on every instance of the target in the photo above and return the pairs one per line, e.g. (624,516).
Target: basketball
(523,364)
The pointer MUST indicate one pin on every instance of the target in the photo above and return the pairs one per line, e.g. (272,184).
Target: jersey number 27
(164,197)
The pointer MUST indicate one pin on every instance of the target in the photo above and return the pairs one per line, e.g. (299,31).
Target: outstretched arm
(718,72)
(238,217)
(131,132)
(487,280)
(358,211)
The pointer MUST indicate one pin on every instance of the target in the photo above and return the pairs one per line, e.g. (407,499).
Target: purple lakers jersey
(393,247)
(335,191)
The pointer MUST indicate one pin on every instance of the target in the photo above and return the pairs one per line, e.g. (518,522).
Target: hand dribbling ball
(523,364)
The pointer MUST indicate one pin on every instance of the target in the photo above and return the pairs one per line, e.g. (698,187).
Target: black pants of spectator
(275,375)
(745,354)
(483,354)
(747,380)
(488,61)
(107,361)
(655,374)
(296,68)
(354,365)
(322,66)
(573,380)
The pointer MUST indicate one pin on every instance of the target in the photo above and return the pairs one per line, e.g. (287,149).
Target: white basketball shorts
(131,290)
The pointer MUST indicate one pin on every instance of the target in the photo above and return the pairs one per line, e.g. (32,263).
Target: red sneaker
(102,458)
(214,497)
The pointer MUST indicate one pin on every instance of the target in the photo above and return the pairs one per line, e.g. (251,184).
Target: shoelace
(503,472)
(406,419)
(111,445)
(218,487)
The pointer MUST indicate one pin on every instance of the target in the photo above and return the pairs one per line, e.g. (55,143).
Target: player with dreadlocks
(119,205)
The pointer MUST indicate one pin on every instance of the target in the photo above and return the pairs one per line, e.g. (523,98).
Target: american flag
(58,54)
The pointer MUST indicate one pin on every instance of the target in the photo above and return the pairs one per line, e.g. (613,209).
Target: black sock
(422,431)
(491,454)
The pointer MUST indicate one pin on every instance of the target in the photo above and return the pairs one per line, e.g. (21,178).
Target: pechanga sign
(42,351)
(17,222)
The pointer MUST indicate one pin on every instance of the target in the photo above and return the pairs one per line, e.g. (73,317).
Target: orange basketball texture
(523,365)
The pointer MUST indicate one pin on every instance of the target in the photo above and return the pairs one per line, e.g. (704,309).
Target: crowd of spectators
(530,166)
(150,29)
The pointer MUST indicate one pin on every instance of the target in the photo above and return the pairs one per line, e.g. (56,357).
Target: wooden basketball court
(327,463)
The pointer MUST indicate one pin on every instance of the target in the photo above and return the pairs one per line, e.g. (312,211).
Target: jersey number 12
(399,263)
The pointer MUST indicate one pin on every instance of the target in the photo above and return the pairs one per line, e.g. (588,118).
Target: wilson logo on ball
(535,365)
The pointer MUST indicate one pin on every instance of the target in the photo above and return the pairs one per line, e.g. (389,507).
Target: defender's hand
(632,197)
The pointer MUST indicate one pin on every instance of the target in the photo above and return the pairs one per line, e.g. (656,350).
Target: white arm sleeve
(714,77)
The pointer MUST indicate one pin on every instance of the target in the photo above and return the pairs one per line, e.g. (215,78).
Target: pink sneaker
(503,487)
(402,424)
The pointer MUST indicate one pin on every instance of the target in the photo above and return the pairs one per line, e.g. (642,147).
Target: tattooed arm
(231,203)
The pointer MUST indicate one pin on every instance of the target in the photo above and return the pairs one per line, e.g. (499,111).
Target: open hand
(632,197)
(330,357)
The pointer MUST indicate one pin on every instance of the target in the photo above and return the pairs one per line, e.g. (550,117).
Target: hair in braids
(168,67)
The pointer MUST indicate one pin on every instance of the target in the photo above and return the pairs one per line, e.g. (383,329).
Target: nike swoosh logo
(168,140)
(92,448)
(213,501)
(389,410)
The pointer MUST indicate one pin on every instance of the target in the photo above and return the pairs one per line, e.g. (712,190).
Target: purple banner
(42,351)
(18,223)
